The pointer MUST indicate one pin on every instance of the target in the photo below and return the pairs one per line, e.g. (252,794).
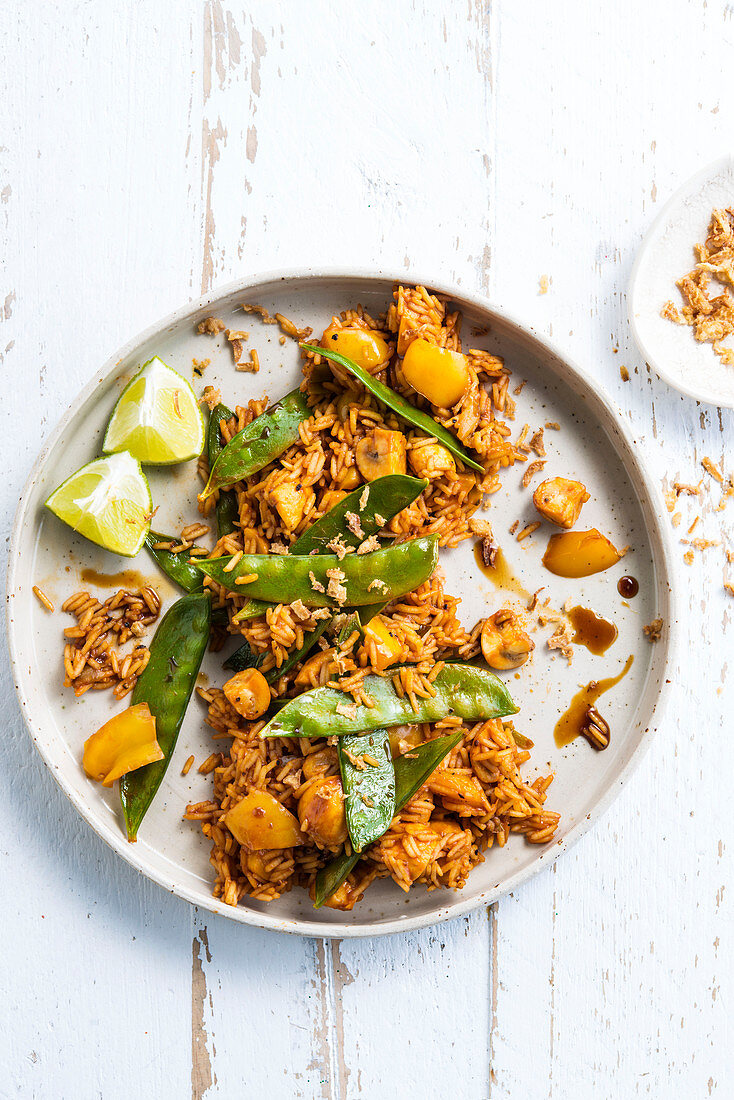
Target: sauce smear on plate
(582,719)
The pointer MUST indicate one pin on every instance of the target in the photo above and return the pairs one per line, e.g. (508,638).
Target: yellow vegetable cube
(438,374)
(367,349)
(124,744)
(292,502)
(387,648)
(260,822)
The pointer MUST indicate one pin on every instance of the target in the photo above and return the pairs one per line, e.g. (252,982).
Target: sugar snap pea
(464,690)
(383,499)
(411,772)
(226,511)
(398,404)
(285,578)
(259,443)
(166,685)
(368,779)
(180,569)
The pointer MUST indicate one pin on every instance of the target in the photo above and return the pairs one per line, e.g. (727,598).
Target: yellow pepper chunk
(124,744)
(349,479)
(331,498)
(387,647)
(259,822)
(437,373)
(365,348)
(292,502)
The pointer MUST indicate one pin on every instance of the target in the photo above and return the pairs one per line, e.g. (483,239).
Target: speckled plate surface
(592,444)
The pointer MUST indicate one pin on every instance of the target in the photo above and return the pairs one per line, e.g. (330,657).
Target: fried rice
(477,796)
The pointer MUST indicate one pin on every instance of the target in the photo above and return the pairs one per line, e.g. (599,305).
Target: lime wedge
(157,418)
(108,501)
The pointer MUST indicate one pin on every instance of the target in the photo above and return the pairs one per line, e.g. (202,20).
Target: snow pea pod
(465,690)
(411,772)
(180,569)
(308,644)
(386,497)
(226,511)
(398,404)
(369,787)
(259,443)
(166,685)
(284,578)
(243,658)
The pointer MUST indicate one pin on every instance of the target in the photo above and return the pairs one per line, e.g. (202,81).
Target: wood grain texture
(150,151)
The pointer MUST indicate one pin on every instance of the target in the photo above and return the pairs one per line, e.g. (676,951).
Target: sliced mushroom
(504,642)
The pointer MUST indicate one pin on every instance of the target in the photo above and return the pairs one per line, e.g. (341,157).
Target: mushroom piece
(560,500)
(504,642)
(379,453)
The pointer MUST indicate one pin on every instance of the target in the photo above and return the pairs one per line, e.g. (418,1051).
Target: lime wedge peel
(157,418)
(108,501)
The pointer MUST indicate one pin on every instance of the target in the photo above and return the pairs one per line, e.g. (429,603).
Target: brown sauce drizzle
(628,587)
(592,631)
(499,571)
(582,719)
(129,578)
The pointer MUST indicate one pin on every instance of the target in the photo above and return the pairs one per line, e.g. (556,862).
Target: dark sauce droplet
(628,587)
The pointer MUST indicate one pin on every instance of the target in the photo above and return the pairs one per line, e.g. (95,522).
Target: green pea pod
(243,658)
(398,404)
(260,443)
(227,511)
(410,775)
(351,623)
(386,497)
(180,569)
(308,644)
(284,578)
(166,685)
(369,789)
(469,692)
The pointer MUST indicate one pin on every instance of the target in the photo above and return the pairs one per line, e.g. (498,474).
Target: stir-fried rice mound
(477,796)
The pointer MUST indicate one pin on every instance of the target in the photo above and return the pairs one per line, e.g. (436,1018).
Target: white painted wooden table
(150,151)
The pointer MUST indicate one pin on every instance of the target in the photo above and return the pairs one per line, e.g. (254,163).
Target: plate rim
(708,170)
(670,642)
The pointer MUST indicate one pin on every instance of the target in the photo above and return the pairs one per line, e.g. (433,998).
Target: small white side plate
(665,255)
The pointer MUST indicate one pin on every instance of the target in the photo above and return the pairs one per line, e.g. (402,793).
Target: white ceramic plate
(664,256)
(591,444)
